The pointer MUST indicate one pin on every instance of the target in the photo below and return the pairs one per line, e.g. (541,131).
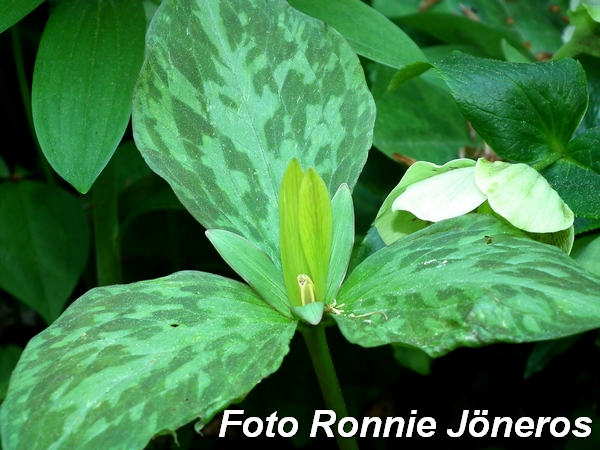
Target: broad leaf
(468,281)
(254,266)
(545,351)
(44,240)
(343,241)
(369,32)
(586,251)
(576,177)
(89,56)
(127,362)
(231,91)
(11,11)
(525,112)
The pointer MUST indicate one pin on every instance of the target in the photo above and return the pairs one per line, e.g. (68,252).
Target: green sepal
(342,241)
(292,256)
(253,265)
(311,313)
(315,229)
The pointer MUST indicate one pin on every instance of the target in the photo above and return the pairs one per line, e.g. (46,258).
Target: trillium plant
(260,119)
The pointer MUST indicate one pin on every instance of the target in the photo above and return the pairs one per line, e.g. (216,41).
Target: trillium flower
(514,193)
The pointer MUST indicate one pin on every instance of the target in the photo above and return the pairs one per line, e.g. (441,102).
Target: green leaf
(419,120)
(4,170)
(545,351)
(254,266)
(413,358)
(342,241)
(231,91)
(127,362)
(44,240)
(468,281)
(9,357)
(369,32)
(315,229)
(525,112)
(581,162)
(85,70)
(586,251)
(11,11)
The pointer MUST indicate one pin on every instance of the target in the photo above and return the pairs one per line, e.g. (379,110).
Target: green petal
(316,224)
(292,255)
(444,196)
(522,196)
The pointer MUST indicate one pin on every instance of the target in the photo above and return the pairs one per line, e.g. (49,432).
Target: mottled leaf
(254,266)
(44,242)
(89,56)
(343,241)
(11,11)
(231,91)
(369,32)
(468,281)
(127,362)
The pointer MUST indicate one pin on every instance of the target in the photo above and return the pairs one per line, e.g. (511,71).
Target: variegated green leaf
(468,281)
(231,91)
(127,362)
(89,56)
(254,266)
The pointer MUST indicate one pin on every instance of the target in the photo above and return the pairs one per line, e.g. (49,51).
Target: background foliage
(45,223)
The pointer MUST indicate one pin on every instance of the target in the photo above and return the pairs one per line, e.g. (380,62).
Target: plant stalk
(316,341)
(106,226)
(26,98)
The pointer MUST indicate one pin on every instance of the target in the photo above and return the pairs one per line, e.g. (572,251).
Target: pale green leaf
(449,194)
(342,241)
(231,91)
(254,266)
(394,225)
(127,362)
(522,196)
(44,242)
(369,32)
(468,281)
(89,56)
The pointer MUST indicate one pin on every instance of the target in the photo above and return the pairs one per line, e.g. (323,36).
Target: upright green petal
(316,225)
(292,256)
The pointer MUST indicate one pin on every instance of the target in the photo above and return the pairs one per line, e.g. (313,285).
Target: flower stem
(316,341)
(106,226)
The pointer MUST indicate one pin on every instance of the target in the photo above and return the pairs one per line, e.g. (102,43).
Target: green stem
(106,226)
(26,98)
(316,341)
